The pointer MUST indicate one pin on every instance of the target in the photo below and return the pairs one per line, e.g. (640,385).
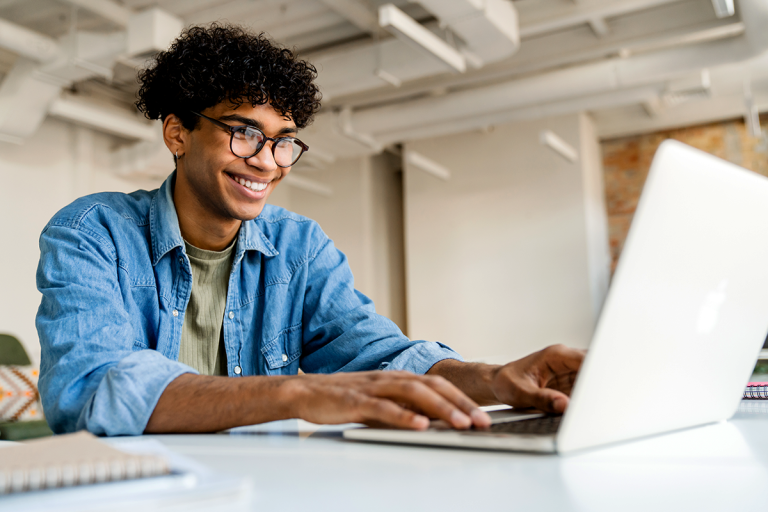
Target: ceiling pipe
(527,113)
(582,14)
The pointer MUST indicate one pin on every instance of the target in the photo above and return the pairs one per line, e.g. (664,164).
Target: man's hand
(450,392)
(199,403)
(542,380)
(393,398)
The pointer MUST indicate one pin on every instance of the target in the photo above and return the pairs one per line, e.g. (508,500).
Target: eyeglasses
(246,141)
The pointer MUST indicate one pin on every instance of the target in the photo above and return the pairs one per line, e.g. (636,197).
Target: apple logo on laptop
(710,310)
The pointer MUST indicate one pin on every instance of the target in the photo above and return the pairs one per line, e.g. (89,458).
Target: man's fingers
(546,399)
(418,395)
(376,411)
(468,406)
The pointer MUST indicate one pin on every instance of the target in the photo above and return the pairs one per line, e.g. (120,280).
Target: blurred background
(479,161)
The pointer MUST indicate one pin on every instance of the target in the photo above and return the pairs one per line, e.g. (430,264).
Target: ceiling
(560,40)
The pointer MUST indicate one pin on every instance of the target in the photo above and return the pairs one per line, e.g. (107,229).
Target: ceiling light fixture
(427,165)
(551,140)
(724,8)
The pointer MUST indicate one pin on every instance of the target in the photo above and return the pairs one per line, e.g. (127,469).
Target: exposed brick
(627,160)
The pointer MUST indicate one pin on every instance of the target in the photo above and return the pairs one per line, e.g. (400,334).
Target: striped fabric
(19,399)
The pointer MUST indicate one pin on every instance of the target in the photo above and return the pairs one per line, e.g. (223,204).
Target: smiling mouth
(250,185)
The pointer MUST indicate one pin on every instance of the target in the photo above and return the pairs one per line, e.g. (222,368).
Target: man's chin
(244,215)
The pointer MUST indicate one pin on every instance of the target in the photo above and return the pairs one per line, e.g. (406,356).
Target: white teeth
(253,185)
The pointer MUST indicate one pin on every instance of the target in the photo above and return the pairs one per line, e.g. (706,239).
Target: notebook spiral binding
(67,475)
(756,391)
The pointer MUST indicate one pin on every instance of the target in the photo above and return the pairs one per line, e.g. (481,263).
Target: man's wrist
(288,394)
(474,379)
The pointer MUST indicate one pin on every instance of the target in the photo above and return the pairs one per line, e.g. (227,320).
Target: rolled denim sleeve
(343,332)
(92,375)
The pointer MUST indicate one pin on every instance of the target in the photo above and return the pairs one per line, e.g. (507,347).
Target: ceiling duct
(488,27)
(488,30)
(27,43)
(617,81)
(411,32)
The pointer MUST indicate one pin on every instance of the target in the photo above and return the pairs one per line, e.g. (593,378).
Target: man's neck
(201,227)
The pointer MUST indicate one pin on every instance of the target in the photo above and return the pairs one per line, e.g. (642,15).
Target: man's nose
(264,160)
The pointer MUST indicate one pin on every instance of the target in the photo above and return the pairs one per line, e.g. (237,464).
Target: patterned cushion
(19,398)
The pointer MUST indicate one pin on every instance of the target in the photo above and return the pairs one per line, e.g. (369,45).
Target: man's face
(213,175)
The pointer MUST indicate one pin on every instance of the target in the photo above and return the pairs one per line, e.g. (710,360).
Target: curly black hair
(208,65)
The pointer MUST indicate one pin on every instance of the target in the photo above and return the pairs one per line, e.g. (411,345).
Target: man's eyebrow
(255,123)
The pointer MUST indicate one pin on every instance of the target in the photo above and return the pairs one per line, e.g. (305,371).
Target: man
(191,308)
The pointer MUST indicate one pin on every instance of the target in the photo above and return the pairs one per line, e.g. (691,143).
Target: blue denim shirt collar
(165,233)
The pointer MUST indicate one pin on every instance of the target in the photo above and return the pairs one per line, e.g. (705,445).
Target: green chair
(12,353)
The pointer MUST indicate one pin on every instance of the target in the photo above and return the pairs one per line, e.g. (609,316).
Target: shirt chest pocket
(281,354)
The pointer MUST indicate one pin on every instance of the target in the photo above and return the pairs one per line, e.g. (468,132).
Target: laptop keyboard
(534,426)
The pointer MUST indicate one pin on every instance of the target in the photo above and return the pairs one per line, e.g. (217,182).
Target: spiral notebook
(71,460)
(756,391)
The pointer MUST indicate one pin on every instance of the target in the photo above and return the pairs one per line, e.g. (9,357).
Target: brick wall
(627,160)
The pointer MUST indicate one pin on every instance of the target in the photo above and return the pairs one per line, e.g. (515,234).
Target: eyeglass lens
(247,141)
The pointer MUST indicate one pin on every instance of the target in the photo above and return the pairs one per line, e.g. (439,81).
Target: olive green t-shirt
(202,335)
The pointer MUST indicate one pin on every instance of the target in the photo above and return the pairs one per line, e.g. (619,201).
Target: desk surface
(296,466)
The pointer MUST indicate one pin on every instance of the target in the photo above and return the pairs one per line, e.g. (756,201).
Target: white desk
(720,467)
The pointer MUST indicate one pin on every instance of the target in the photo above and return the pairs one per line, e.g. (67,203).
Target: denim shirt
(116,282)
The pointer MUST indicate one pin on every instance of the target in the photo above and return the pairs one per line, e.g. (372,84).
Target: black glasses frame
(233,129)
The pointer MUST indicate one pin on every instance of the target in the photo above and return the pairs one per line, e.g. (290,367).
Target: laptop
(681,328)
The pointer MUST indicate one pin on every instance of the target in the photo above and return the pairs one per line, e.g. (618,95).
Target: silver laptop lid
(687,312)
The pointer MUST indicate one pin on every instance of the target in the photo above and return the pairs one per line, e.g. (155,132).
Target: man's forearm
(198,403)
(474,379)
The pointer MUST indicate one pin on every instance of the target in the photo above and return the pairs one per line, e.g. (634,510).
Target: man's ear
(175,135)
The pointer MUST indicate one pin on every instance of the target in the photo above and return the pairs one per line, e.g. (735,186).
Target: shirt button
(238,370)
(175,313)
(285,358)
(231,315)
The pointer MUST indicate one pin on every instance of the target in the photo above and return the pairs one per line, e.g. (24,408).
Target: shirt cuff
(421,357)
(129,392)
